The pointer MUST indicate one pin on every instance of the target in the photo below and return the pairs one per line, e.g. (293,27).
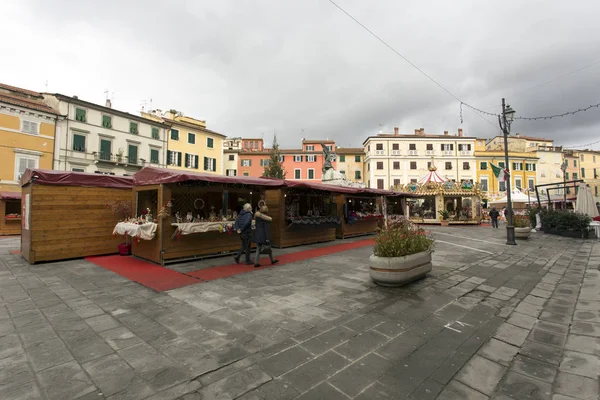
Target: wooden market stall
(10,213)
(194,212)
(65,214)
(363,212)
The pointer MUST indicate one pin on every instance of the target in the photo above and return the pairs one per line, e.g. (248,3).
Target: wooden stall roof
(68,178)
(338,189)
(10,196)
(156,176)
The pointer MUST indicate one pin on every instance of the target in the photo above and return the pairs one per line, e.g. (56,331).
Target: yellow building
(27,130)
(190,146)
(523,167)
(351,163)
(589,170)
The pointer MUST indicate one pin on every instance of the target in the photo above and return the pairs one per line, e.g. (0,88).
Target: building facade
(190,145)
(100,139)
(27,135)
(393,159)
(351,163)
(589,170)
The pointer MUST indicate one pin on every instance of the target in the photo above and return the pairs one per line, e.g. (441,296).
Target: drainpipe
(67,137)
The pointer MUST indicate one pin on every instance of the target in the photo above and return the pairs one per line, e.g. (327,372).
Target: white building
(231,152)
(393,159)
(100,139)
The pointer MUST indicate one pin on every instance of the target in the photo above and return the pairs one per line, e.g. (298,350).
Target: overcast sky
(302,68)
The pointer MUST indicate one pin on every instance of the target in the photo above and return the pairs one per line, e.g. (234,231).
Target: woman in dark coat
(262,234)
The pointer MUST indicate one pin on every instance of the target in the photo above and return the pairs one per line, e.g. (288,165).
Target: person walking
(262,235)
(243,226)
(494,214)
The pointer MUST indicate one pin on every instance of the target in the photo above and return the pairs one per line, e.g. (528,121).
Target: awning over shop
(10,195)
(68,178)
(156,176)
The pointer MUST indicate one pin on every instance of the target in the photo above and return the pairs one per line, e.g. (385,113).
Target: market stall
(65,214)
(10,213)
(434,198)
(194,212)
(363,212)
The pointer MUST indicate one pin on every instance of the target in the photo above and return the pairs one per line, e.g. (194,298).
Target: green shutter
(105,150)
(191,138)
(107,121)
(153,156)
(357,158)
(155,133)
(169,157)
(311,174)
(79,143)
(174,134)
(178,153)
(133,128)
(80,114)
(196,162)
(206,163)
(534,167)
(342,158)
(132,154)
(483,165)
(210,143)
(356,174)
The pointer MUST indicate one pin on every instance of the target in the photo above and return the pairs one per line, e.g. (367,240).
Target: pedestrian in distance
(243,226)
(494,214)
(262,236)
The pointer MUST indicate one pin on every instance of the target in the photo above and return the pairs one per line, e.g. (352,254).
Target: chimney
(517,134)
(422,131)
(396,131)
(445,133)
(108,103)
(416,131)
(460,132)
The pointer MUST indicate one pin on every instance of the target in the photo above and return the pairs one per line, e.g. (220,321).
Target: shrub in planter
(565,221)
(522,226)
(402,253)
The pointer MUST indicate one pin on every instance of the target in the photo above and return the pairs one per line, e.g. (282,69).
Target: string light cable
(559,115)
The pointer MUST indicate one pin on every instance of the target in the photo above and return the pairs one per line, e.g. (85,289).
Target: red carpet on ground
(223,271)
(145,273)
(15,252)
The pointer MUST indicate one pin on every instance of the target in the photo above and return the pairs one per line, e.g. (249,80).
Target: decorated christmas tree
(274,169)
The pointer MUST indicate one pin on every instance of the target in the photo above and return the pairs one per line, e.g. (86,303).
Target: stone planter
(398,271)
(522,233)
(444,222)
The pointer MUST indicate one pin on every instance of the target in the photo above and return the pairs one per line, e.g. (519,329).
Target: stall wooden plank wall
(281,235)
(148,249)
(70,222)
(346,230)
(8,227)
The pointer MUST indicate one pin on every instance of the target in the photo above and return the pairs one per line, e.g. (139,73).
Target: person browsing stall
(243,226)
(262,236)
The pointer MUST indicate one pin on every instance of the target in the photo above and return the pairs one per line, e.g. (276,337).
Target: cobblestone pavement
(490,321)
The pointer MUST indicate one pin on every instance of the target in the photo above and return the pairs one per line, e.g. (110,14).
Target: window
(448,165)
(529,167)
(379,146)
(575,175)
(531,184)
(583,172)
(78,169)
(231,172)
(582,159)
(297,174)
(413,181)
(429,146)
(594,158)
(310,148)
(311,173)
(483,165)
(412,146)
(575,163)
(327,146)
(447,147)
(107,121)
(518,183)
(154,156)
(395,146)
(191,138)
(343,172)
(133,128)
(174,158)
(30,127)
(191,161)
(357,175)
(380,183)
(174,134)
(484,184)
(23,162)
(281,158)
(79,142)
(155,133)
(210,143)
(105,149)
(595,174)
(466,165)
(396,182)
(567,162)
(356,158)
(246,163)
(297,158)
(428,164)
(246,174)
(566,175)
(501,164)
(413,165)
(231,157)
(596,191)
(464,147)
(379,164)
(311,158)
(132,154)
(502,186)
(342,158)
(210,164)
(80,114)
(264,162)
(518,166)
(396,164)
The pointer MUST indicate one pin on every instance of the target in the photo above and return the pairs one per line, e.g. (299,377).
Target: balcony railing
(430,152)
(119,160)
(413,152)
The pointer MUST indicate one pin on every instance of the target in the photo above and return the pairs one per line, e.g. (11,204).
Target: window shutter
(178,155)
(169,157)
(442,147)
(452,147)
(521,166)
(196,162)
(206,163)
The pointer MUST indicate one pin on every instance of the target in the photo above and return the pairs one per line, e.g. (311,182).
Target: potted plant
(119,156)
(522,226)
(444,215)
(122,209)
(402,254)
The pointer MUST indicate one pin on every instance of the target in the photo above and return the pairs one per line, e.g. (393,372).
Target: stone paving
(490,322)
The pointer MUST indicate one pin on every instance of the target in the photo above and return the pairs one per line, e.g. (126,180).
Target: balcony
(465,152)
(447,152)
(379,152)
(430,152)
(413,152)
(120,160)
(396,152)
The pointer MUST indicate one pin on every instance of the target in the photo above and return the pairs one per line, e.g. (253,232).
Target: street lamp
(563,167)
(507,117)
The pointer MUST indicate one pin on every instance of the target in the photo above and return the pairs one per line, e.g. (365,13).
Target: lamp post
(507,117)
(563,167)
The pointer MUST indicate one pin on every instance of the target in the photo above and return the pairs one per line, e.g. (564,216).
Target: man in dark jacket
(243,226)
(494,214)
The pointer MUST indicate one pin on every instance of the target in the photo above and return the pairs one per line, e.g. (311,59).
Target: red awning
(67,178)
(337,189)
(155,176)
(10,195)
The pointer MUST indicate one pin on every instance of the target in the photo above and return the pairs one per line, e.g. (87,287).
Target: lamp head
(509,113)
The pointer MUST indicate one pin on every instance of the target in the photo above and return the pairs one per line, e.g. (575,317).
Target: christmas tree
(274,169)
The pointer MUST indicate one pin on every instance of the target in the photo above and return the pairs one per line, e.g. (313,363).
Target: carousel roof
(432,176)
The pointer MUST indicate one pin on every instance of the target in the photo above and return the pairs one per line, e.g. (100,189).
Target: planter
(124,249)
(444,222)
(398,271)
(522,233)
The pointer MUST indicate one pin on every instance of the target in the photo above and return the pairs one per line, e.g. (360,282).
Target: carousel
(440,201)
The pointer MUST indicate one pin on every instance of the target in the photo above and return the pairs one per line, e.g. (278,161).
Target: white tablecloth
(188,228)
(596,226)
(145,231)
